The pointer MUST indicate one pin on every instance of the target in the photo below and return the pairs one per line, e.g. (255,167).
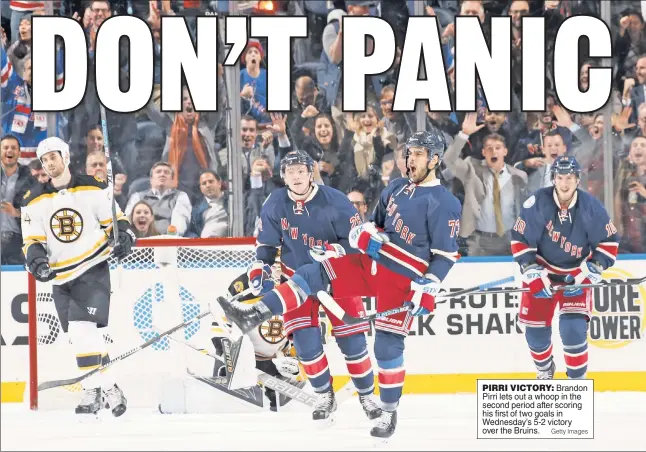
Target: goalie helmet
(296,158)
(565,165)
(53,144)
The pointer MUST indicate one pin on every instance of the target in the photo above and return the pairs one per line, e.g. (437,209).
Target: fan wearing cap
(563,236)
(66,223)
(253,80)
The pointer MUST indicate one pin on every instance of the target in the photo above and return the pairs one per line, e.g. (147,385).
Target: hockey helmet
(433,141)
(53,144)
(565,164)
(296,158)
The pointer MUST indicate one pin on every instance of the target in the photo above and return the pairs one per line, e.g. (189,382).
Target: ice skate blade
(379,442)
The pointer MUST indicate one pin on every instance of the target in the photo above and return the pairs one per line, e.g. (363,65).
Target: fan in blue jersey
(305,220)
(405,253)
(562,236)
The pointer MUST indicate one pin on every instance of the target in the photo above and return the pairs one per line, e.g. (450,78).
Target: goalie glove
(259,275)
(367,239)
(286,366)
(424,293)
(590,274)
(321,253)
(536,279)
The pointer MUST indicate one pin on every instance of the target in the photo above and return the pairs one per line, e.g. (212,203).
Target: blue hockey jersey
(560,239)
(326,216)
(422,223)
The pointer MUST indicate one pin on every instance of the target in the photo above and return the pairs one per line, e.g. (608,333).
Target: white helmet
(52,144)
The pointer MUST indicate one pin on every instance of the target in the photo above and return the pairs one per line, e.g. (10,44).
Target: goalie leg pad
(357,360)
(389,351)
(309,349)
(539,340)
(574,334)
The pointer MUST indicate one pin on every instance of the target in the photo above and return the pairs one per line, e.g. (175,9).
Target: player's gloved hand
(590,274)
(286,366)
(535,277)
(259,275)
(424,293)
(127,238)
(321,253)
(367,239)
(39,267)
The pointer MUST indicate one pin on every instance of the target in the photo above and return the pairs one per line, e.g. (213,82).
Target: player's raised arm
(443,229)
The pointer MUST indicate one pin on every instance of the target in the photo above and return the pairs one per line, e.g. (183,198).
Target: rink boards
(466,339)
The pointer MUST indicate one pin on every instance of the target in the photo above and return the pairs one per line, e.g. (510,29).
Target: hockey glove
(590,274)
(325,252)
(127,238)
(41,270)
(424,293)
(367,239)
(259,275)
(535,277)
(286,366)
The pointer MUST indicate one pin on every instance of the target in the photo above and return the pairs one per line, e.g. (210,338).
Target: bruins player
(274,352)
(66,224)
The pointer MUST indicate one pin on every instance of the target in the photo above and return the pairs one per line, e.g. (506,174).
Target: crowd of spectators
(171,169)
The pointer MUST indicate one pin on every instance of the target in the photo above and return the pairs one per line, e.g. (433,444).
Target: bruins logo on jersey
(272,330)
(66,225)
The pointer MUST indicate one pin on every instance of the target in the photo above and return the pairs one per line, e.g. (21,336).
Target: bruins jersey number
(66,225)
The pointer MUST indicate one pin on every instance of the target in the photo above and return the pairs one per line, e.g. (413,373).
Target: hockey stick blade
(340,313)
(71,381)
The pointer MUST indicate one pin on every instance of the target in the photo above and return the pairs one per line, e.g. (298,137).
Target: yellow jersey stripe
(70,190)
(35,238)
(76,259)
(65,274)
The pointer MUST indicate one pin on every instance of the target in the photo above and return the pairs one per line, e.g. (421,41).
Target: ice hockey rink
(426,422)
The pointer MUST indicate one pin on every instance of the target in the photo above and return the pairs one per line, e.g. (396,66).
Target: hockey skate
(115,401)
(548,373)
(385,426)
(245,316)
(325,405)
(369,406)
(91,402)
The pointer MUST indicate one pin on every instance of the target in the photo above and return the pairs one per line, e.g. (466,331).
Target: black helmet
(296,158)
(433,141)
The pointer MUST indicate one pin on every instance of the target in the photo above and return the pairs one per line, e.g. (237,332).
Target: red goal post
(163,282)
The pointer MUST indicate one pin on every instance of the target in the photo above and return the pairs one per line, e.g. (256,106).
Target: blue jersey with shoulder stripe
(559,237)
(294,227)
(422,222)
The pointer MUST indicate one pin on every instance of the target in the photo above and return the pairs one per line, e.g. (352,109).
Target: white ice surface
(429,422)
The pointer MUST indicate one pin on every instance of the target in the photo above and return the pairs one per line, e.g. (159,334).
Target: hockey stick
(71,381)
(110,174)
(627,282)
(340,313)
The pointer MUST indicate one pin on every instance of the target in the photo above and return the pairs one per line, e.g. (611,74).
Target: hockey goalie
(274,356)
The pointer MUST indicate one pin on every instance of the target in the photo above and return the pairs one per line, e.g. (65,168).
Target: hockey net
(162,283)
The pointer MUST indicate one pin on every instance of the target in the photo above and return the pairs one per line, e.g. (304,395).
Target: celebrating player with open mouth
(405,261)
